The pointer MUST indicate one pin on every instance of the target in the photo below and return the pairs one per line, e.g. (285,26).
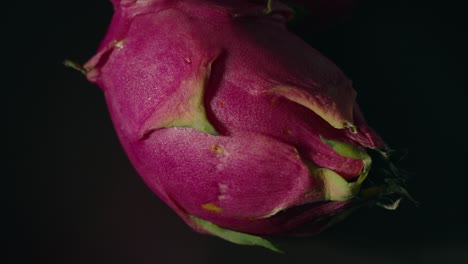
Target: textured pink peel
(186,107)
(219,170)
(222,111)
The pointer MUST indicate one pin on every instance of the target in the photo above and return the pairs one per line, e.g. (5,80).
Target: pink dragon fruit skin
(230,119)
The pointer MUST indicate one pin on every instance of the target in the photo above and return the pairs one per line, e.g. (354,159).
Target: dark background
(76,199)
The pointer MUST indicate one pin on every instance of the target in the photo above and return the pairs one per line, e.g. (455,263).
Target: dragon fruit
(237,124)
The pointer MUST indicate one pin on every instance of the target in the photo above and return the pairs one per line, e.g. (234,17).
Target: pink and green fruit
(237,124)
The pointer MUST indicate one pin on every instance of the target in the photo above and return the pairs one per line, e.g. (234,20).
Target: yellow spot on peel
(296,153)
(217,149)
(352,128)
(119,44)
(212,207)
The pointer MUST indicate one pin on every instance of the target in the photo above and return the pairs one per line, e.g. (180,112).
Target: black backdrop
(76,199)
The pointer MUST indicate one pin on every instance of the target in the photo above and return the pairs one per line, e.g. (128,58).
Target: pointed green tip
(234,236)
(75,66)
(269,7)
(203,125)
(345,149)
(352,152)
(335,188)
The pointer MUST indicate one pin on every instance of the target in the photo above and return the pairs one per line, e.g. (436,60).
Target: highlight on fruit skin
(238,125)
